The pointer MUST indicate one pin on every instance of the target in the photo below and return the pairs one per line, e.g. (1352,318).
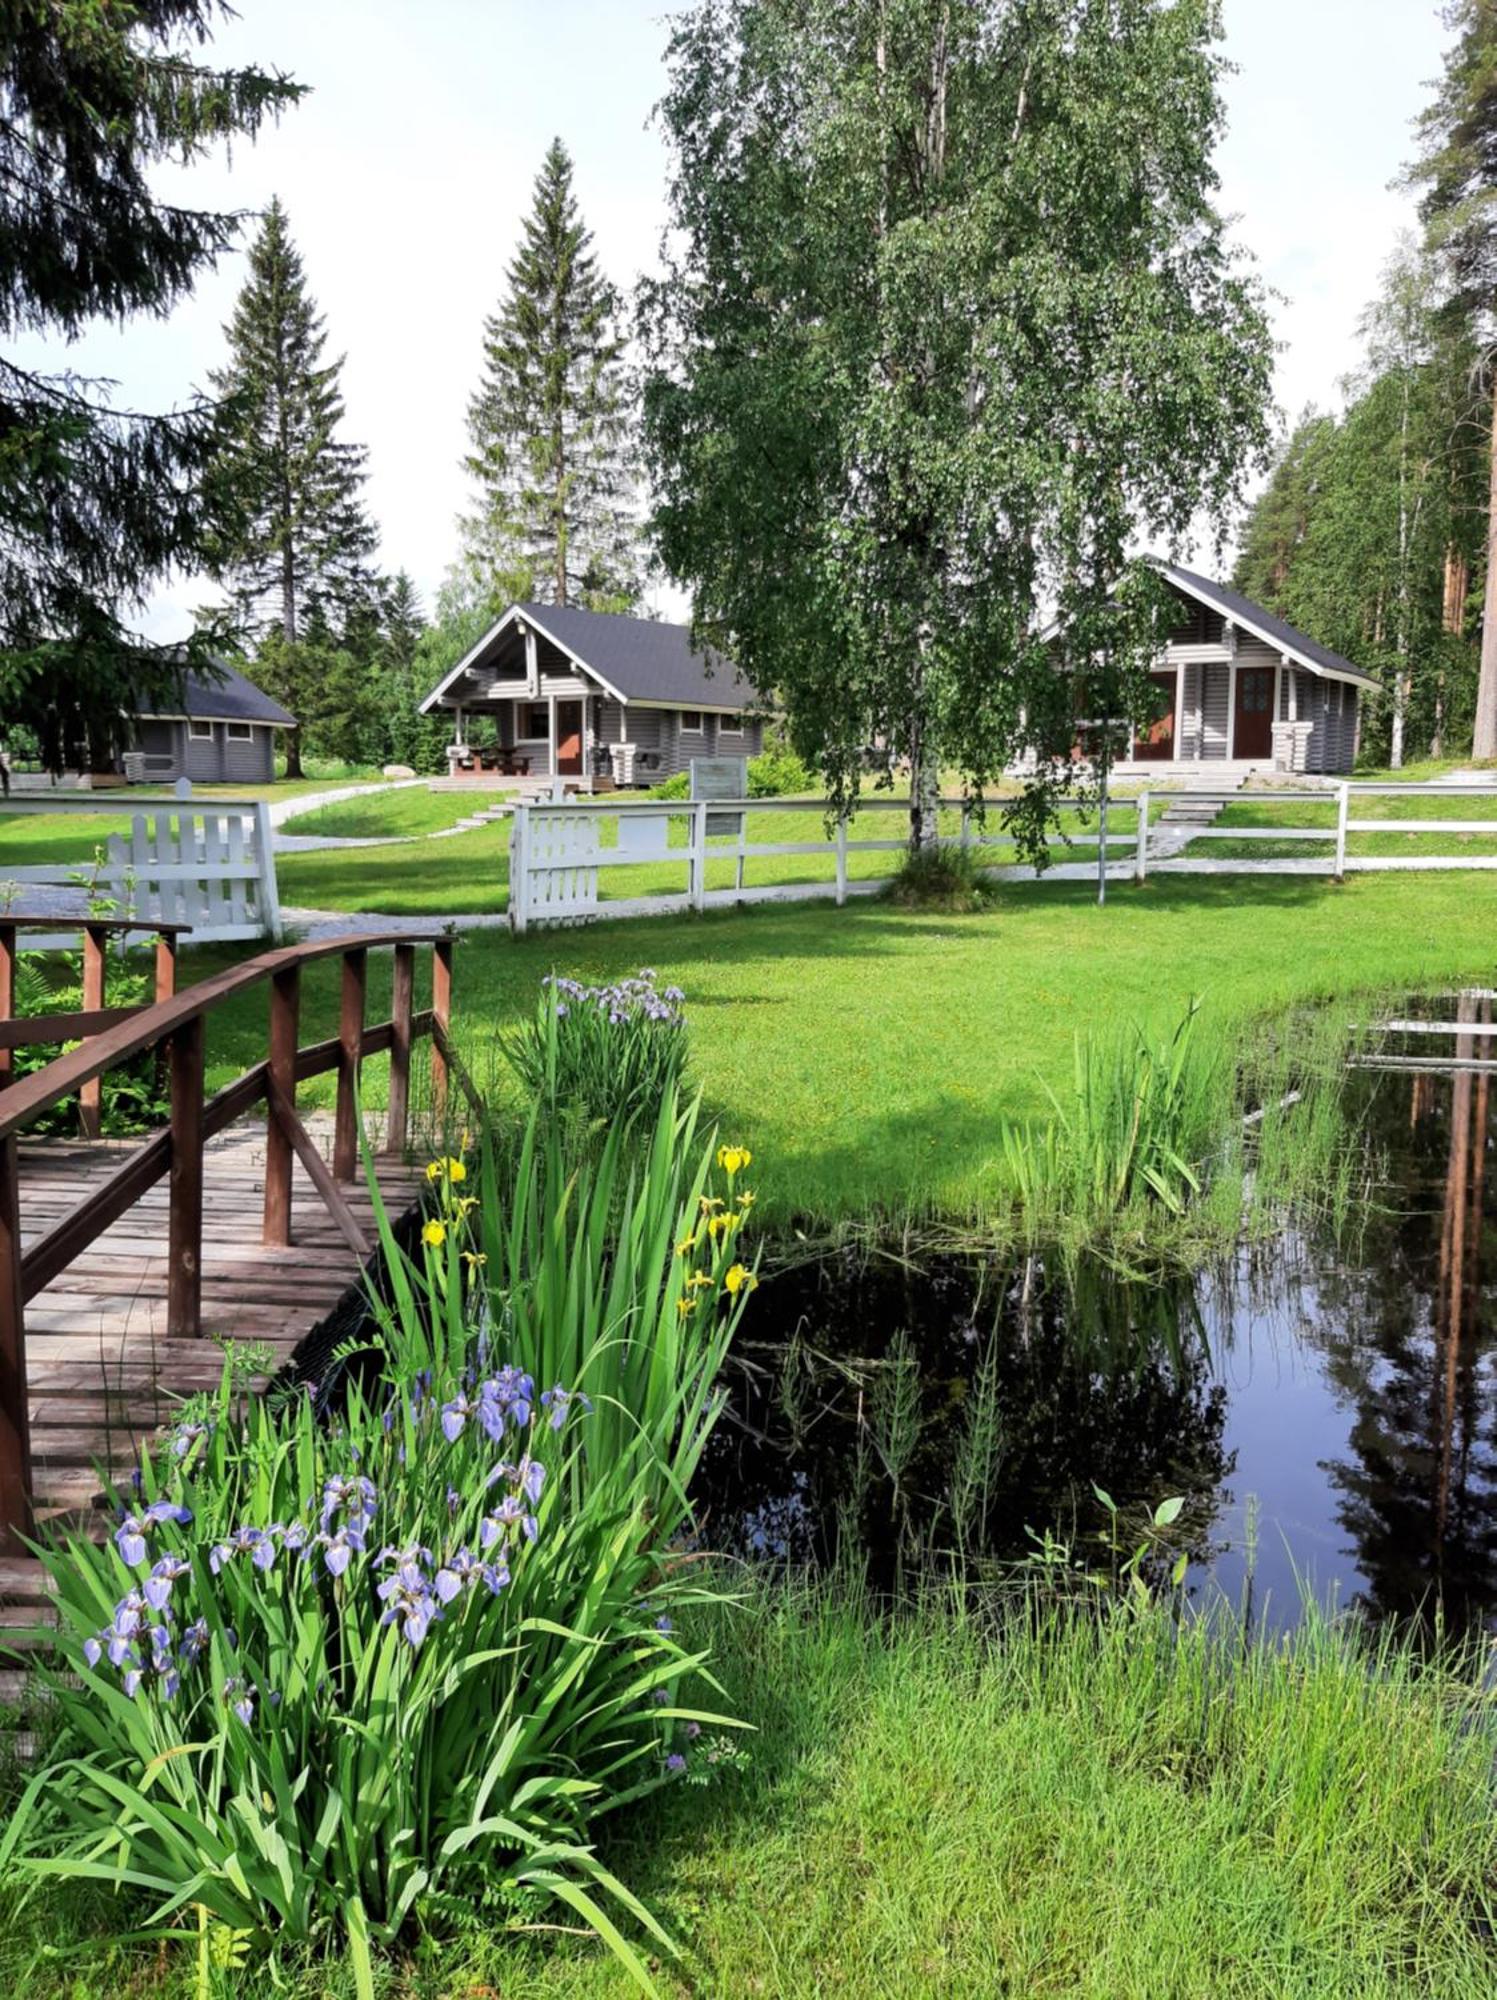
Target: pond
(1325,1403)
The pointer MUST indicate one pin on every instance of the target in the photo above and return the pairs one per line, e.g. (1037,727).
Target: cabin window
(730,725)
(691,722)
(241,732)
(535,723)
(200,731)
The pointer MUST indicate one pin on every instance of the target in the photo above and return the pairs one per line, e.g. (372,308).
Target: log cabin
(597,699)
(1239,690)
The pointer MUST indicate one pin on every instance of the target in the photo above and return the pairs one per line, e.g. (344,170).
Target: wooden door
(569,738)
(1252,715)
(1155,741)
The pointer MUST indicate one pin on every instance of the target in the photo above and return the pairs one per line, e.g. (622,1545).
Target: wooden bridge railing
(175,1022)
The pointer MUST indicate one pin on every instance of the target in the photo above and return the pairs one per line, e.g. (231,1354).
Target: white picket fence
(557,849)
(208,863)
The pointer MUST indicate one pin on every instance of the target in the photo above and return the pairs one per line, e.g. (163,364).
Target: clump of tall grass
(944,877)
(1167,1146)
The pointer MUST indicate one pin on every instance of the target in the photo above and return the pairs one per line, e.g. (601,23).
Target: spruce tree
(293,538)
(1457,169)
(550,425)
(96,504)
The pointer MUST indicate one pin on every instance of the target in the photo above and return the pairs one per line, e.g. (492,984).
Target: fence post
(402,1009)
(285,1009)
(841,859)
(519,863)
(441,1017)
(166,965)
(184,1257)
(7,992)
(1141,850)
(966,825)
(350,1060)
(91,1094)
(1343,798)
(697,889)
(269,897)
(15,1424)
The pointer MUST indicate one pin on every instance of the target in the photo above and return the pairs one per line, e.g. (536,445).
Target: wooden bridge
(118,1257)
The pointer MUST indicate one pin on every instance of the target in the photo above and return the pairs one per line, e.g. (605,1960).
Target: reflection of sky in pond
(1347,1393)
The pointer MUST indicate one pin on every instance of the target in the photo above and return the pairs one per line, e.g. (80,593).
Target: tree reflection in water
(1350,1388)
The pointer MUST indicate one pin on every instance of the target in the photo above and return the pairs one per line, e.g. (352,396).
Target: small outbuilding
(594,698)
(223,733)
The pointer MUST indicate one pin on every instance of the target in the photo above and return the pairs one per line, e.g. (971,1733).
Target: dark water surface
(1327,1409)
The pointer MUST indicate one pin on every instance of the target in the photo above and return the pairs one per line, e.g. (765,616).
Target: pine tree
(1277,522)
(293,539)
(550,424)
(401,678)
(96,504)
(1457,168)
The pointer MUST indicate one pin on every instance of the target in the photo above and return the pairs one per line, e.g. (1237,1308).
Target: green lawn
(936,1809)
(32,840)
(1402,817)
(412,810)
(869,1054)
(469,873)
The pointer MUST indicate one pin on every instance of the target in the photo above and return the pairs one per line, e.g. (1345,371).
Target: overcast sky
(407,169)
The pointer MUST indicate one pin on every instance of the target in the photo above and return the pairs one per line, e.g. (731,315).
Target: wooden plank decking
(101,1371)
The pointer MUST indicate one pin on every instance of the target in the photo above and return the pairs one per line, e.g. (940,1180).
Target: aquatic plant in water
(332,1679)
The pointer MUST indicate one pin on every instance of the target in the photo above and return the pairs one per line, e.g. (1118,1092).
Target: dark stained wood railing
(175,1022)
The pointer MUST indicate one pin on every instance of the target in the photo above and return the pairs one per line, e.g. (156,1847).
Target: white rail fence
(558,849)
(206,863)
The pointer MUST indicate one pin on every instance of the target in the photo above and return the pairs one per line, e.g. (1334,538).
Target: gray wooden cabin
(595,698)
(223,733)
(1239,690)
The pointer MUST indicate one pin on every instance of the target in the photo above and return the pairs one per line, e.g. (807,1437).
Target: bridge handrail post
(402,1016)
(350,1060)
(184,1266)
(15,1414)
(285,1010)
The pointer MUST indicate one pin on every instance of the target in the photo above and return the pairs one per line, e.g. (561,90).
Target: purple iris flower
(171,1682)
(459,1570)
(130,1540)
(295,1535)
(496,1575)
(662,1623)
(559,1402)
(157,1588)
(454,1415)
(340,1547)
(675,1762)
(532,1479)
(93,1651)
(131,1682)
(194,1641)
(167,1510)
(244,1708)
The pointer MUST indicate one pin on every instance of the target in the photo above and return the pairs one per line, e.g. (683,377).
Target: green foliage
(677,786)
(132,1095)
(913,252)
(602,1057)
(1372,524)
(550,424)
(402,1654)
(943,876)
(98,503)
(777,771)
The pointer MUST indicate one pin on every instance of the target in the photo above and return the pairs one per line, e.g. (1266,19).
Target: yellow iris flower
(435,1234)
(733,1159)
(738,1278)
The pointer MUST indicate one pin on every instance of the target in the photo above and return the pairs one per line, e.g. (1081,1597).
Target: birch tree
(949,322)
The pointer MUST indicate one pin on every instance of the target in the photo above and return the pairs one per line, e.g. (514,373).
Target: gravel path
(318,924)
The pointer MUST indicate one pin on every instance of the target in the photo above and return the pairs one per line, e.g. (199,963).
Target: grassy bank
(870,1055)
(1126,1809)
(407,813)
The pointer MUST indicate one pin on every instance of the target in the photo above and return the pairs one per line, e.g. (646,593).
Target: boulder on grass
(397,771)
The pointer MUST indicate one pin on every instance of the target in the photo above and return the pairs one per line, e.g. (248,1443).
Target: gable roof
(638,659)
(233,698)
(1265,625)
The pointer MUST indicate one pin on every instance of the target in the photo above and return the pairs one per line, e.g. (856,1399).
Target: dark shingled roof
(234,698)
(642,658)
(1242,610)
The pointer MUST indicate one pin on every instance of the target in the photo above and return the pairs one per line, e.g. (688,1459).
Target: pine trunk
(1484,735)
